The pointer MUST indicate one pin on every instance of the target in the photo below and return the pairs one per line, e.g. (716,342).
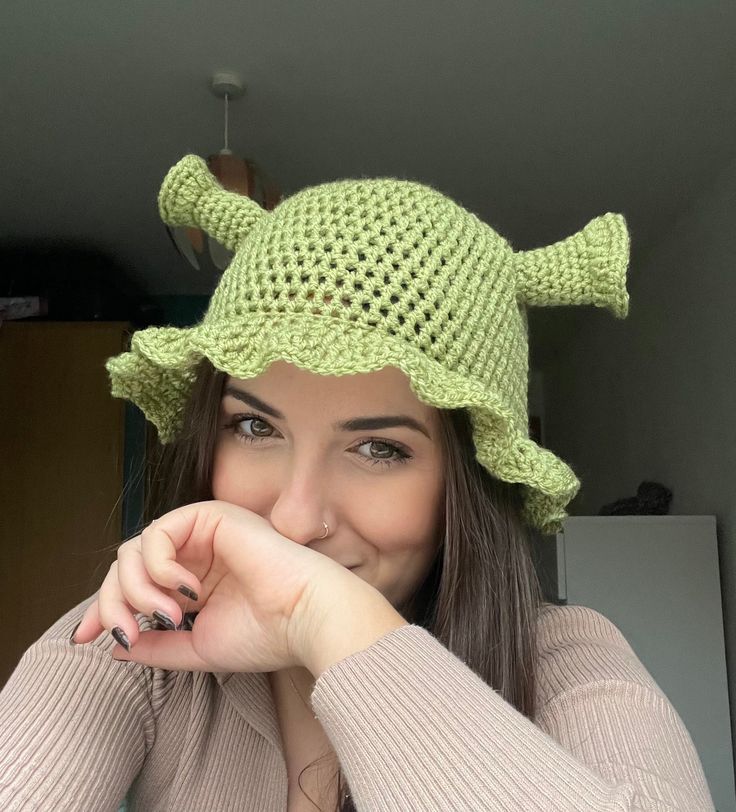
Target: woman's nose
(300,507)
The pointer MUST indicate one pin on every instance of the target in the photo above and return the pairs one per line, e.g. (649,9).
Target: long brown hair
(481,596)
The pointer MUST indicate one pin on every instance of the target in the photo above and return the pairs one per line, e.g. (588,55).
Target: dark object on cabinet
(652,499)
(79,283)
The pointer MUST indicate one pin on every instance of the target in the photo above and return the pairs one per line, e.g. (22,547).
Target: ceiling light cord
(227,100)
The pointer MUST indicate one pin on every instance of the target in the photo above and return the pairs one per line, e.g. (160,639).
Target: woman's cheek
(231,478)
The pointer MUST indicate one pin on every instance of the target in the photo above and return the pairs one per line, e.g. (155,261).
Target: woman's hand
(261,597)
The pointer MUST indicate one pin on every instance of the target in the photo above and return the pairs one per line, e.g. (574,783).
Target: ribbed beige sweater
(414,729)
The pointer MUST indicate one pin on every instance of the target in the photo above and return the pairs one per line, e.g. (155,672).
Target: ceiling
(537,116)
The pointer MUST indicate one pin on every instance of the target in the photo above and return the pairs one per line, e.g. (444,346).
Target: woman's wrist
(341,616)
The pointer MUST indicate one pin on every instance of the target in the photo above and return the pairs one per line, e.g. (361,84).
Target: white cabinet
(657,579)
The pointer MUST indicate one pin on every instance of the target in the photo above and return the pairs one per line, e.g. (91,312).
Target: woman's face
(286,450)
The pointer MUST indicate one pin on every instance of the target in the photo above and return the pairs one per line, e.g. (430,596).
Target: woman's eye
(383,452)
(259,428)
(381,449)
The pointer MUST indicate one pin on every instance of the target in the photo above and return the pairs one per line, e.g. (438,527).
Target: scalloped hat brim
(158,371)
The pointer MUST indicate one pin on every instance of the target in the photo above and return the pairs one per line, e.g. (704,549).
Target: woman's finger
(114,612)
(159,551)
(172,651)
(90,626)
(140,591)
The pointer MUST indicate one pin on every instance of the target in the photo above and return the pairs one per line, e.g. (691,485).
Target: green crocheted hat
(355,275)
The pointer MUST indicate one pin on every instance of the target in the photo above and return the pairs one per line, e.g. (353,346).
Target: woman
(339,574)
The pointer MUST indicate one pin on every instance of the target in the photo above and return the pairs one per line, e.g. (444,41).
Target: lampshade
(236,175)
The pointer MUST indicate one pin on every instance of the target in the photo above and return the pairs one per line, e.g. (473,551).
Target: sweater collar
(250,695)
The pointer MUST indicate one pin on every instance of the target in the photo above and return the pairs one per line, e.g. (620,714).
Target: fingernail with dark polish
(121,637)
(188,593)
(164,620)
(187,622)
(71,636)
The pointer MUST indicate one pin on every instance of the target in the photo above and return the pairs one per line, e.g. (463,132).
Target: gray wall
(654,396)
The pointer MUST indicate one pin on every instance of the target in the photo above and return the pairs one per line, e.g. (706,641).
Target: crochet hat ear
(587,268)
(191,196)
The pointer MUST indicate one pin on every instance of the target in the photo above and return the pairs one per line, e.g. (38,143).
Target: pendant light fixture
(236,175)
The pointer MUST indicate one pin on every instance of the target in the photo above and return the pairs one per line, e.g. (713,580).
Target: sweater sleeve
(75,725)
(415,728)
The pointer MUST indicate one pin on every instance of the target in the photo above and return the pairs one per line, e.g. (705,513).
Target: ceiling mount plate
(227,83)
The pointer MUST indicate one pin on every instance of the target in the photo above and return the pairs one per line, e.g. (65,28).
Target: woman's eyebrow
(356,424)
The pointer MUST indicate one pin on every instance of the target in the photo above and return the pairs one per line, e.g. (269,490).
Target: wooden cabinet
(62,473)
